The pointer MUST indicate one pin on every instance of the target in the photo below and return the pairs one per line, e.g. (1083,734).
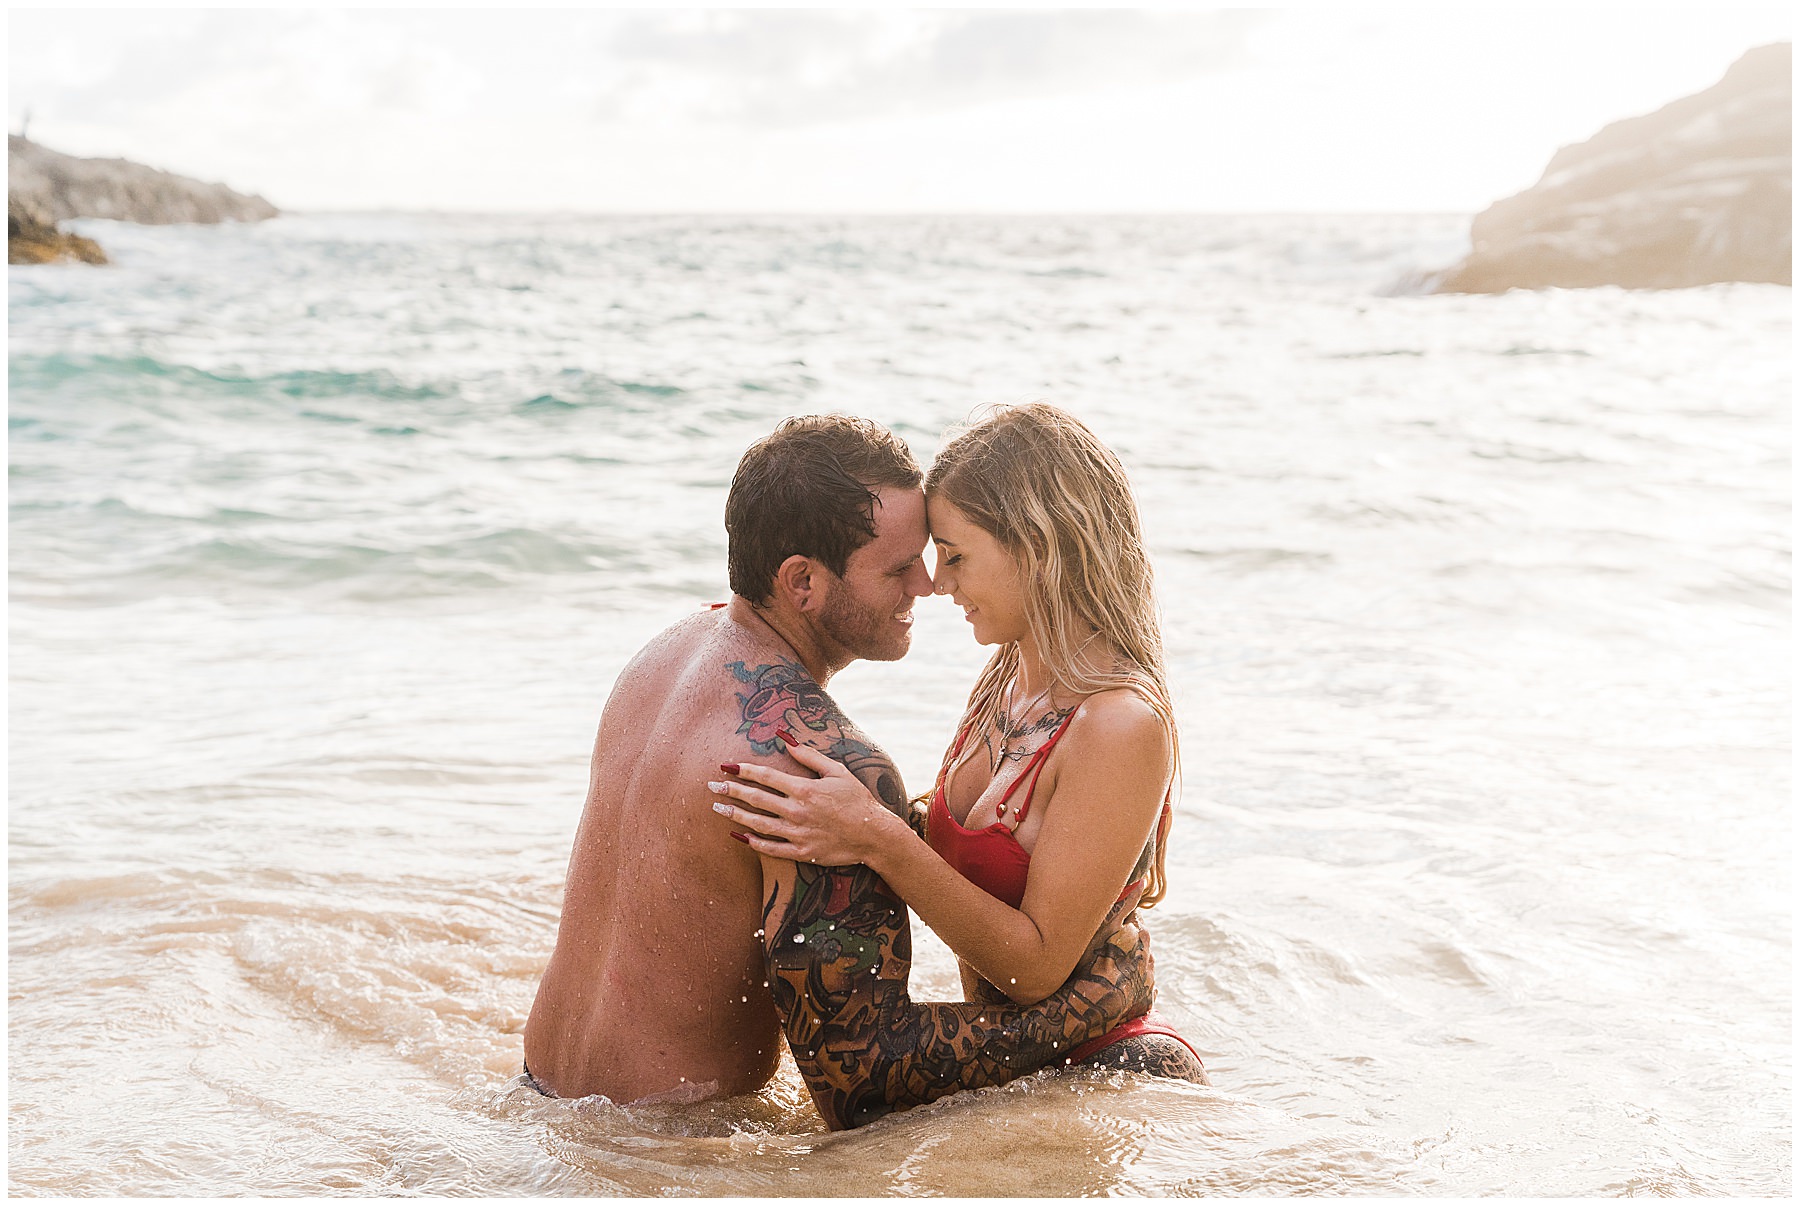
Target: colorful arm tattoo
(916,815)
(838,950)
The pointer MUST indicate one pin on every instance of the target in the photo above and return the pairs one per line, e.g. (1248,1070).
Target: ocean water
(328,537)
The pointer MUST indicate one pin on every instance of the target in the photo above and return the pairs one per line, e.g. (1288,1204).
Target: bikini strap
(949,761)
(1034,769)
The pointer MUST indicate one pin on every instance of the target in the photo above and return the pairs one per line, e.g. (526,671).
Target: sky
(859,110)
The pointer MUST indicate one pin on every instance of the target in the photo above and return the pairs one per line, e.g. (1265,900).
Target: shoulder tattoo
(782,694)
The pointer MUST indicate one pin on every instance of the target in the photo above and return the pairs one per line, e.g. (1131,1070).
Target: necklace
(1021,731)
(1008,733)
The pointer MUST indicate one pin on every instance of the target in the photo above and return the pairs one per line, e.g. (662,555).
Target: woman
(1049,819)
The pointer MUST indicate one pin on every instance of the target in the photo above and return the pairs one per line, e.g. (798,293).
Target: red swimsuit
(992,859)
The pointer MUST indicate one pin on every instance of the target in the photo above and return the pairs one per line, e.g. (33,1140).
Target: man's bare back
(657,982)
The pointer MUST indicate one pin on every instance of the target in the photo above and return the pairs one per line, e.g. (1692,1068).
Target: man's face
(868,612)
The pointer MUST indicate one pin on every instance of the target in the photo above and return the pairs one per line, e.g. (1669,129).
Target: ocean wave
(114,509)
(578,389)
(23,427)
(1770,590)
(245,560)
(544,402)
(1526,349)
(496,557)
(1513,450)
(1422,509)
(58,371)
(1377,354)
(1256,560)
(1071,272)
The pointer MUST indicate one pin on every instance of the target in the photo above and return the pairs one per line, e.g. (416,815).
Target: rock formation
(1698,192)
(44,187)
(31,240)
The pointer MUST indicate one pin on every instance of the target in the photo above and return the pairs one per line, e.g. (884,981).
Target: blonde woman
(1048,824)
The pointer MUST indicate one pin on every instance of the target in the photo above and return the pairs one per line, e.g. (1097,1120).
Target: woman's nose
(919,582)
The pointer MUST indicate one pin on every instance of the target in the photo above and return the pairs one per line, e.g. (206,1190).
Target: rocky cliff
(1698,192)
(44,187)
(30,240)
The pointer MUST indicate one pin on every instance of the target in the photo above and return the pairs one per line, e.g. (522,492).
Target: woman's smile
(978,574)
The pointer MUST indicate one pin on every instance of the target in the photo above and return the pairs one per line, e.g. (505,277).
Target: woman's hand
(832,819)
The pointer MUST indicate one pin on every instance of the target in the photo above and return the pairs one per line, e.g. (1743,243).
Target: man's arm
(838,951)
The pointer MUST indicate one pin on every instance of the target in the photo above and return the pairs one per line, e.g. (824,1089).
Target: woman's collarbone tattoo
(1022,732)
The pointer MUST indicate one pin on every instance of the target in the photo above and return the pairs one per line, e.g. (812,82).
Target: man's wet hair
(808,489)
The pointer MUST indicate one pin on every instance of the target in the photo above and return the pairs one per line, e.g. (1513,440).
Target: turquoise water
(328,535)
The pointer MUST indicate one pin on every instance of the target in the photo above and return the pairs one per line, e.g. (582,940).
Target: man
(682,957)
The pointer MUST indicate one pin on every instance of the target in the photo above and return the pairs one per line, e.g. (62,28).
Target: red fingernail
(742,837)
(730,768)
(786,736)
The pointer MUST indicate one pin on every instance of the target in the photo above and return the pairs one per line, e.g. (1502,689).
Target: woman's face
(978,574)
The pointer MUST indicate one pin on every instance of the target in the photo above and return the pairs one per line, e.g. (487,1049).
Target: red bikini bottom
(1148,1023)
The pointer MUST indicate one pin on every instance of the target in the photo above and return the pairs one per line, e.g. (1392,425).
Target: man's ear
(798,580)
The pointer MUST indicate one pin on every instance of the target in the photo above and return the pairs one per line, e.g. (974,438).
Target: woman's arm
(1108,791)
(837,951)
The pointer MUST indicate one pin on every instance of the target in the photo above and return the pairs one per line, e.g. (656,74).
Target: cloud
(796,68)
(840,111)
(139,61)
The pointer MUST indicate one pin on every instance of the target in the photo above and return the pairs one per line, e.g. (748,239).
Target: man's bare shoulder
(677,643)
(709,673)
(688,654)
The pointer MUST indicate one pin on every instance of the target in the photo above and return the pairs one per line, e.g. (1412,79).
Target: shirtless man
(682,957)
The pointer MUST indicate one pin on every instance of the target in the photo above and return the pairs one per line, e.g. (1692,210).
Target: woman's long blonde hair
(1036,479)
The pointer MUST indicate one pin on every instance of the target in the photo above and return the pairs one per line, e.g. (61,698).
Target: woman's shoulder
(1117,749)
(1120,716)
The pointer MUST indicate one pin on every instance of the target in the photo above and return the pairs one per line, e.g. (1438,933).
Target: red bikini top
(991,857)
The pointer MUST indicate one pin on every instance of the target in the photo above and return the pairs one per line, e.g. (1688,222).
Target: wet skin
(1113,788)
(676,968)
